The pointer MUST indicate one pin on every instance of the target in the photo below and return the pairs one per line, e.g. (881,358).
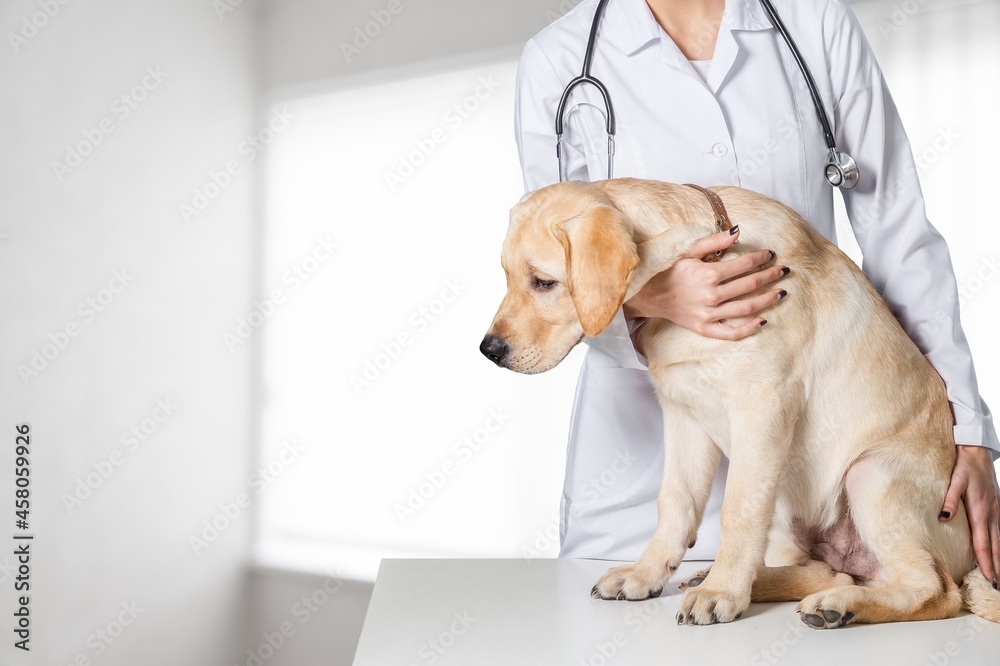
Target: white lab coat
(750,124)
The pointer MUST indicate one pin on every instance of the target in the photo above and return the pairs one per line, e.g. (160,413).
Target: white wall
(306,41)
(160,338)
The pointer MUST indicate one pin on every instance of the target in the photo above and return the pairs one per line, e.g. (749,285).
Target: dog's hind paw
(695,580)
(825,610)
(629,583)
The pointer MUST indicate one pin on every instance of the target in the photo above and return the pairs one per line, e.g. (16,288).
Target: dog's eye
(544,285)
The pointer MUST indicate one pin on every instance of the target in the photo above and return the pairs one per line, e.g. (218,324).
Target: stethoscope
(841,169)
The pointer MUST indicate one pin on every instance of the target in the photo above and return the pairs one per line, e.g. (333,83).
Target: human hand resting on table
(974,481)
(698,295)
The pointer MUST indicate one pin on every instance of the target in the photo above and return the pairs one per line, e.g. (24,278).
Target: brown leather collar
(722,222)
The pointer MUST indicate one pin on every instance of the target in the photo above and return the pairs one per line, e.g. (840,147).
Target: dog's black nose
(494,349)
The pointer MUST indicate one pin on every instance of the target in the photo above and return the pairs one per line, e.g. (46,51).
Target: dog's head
(569,258)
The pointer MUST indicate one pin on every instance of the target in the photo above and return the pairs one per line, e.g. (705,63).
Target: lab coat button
(720,150)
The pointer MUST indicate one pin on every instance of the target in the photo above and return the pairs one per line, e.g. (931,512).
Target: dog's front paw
(630,583)
(706,604)
(828,609)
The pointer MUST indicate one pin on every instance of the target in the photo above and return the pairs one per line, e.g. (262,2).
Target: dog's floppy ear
(600,260)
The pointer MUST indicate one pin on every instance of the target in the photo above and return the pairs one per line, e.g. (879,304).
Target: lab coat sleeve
(536,97)
(905,257)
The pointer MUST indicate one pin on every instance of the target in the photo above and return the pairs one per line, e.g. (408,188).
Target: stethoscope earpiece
(841,169)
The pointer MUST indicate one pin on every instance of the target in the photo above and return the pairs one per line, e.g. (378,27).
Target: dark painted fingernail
(785,271)
(945,514)
(782,294)
(772,254)
(994,583)
(763,321)
(735,230)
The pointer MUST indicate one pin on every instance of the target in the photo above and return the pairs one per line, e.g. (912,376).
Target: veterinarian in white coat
(740,116)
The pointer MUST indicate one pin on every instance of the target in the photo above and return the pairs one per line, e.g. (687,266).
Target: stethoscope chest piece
(842,170)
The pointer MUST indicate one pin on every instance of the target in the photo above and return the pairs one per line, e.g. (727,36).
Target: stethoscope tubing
(841,171)
(810,83)
(586,78)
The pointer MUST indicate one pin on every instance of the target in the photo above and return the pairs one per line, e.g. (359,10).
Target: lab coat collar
(632,25)
(744,15)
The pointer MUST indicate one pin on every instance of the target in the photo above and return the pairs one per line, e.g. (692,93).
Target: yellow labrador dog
(837,429)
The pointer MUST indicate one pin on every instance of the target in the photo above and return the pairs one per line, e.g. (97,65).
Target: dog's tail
(980,597)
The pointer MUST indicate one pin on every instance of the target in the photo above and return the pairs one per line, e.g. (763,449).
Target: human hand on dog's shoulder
(699,295)
(974,482)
